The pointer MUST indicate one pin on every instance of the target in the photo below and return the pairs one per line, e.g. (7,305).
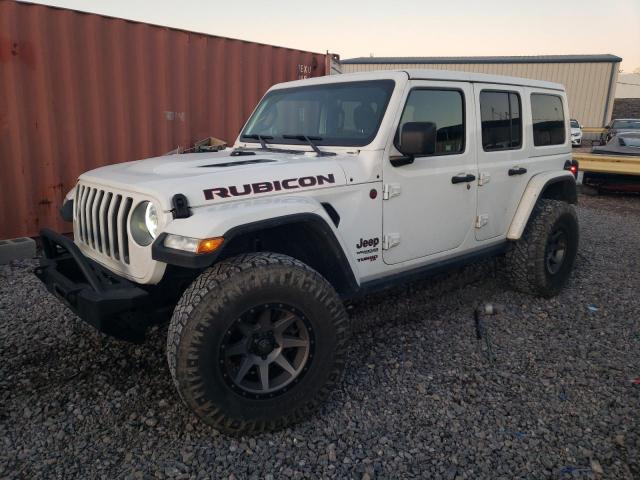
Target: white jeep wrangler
(336,187)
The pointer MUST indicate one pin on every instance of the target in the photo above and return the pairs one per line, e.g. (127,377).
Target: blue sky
(407,28)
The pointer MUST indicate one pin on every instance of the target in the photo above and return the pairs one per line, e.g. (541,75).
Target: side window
(548,119)
(443,108)
(501,120)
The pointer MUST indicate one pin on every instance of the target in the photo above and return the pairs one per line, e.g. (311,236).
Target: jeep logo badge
(372,242)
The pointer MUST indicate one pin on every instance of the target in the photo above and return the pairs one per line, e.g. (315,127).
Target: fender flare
(316,221)
(535,190)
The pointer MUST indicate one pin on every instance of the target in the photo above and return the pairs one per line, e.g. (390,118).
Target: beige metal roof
(606,57)
(590,85)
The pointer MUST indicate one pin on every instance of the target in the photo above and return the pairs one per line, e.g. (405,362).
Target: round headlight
(144,223)
(151,219)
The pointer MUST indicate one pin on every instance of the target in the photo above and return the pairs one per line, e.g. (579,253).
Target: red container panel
(79,91)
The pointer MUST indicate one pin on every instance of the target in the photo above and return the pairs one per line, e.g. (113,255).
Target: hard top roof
(425,74)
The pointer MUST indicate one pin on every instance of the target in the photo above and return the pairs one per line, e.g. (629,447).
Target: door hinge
(390,240)
(482,220)
(484,178)
(390,190)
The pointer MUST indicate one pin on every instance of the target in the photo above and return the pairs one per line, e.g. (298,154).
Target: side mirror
(418,138)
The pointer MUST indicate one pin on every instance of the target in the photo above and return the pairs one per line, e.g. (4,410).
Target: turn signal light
(208,245)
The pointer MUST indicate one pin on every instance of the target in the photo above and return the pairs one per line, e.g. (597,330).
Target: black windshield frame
(387,86)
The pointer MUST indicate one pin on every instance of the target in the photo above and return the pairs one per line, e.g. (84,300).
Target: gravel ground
(553,396)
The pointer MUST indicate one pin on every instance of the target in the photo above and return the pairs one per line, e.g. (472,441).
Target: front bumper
(111,304)
(576,140)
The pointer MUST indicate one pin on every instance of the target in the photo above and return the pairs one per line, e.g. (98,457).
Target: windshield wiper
(309,139)
(260,138)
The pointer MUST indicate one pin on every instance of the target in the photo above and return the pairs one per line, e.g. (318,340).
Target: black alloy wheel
(257,342)
(267,350)
(556,250)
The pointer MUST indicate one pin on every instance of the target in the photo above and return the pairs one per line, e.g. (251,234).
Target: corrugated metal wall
(78,91)
(587,84)
(628,86)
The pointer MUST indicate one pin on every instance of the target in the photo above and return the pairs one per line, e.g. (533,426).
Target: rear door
(503,156)
(426,211)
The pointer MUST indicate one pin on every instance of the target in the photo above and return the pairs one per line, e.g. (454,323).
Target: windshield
(575,124)
(341,114)
(626,124)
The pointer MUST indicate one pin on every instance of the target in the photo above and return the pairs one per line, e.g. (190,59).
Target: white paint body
(432,218)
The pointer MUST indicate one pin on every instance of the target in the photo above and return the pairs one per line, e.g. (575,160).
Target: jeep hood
(212,178)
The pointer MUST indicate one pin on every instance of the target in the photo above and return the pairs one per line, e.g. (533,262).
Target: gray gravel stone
(420,398)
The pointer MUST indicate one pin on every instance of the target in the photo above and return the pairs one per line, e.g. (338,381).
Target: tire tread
(222,273)
(525,259)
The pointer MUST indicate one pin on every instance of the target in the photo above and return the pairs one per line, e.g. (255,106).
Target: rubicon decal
(265,187)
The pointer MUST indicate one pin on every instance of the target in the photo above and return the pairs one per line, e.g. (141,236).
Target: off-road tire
(214,301)
(526,260)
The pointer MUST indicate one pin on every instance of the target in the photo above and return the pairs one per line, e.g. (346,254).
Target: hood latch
(180,206)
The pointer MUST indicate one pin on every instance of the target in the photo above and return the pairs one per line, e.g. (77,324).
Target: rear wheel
(257,342)
(541,261)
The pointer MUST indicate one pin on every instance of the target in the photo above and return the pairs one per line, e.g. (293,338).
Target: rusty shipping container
(79,91)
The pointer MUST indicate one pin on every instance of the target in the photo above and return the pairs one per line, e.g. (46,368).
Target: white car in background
(576,133)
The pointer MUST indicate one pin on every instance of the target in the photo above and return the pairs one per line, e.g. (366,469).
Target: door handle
(463,178)
(517,171)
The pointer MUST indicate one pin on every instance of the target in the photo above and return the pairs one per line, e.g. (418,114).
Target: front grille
(102,221)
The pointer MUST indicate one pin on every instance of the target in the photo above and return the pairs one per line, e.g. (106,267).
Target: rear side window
(548,119)
(445,109)
(501,120)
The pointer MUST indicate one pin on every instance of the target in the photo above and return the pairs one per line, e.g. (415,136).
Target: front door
(430,204)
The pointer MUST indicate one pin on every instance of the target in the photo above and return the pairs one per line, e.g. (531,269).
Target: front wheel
(541,261)
(257,342)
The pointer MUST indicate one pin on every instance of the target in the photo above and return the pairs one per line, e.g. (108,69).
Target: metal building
(628,86)
(590,80)
(79,90)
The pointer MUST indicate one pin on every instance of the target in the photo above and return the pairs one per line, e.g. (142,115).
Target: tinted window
(548,119)
(347,114)
(501,120)
(575,124)
(443,108)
